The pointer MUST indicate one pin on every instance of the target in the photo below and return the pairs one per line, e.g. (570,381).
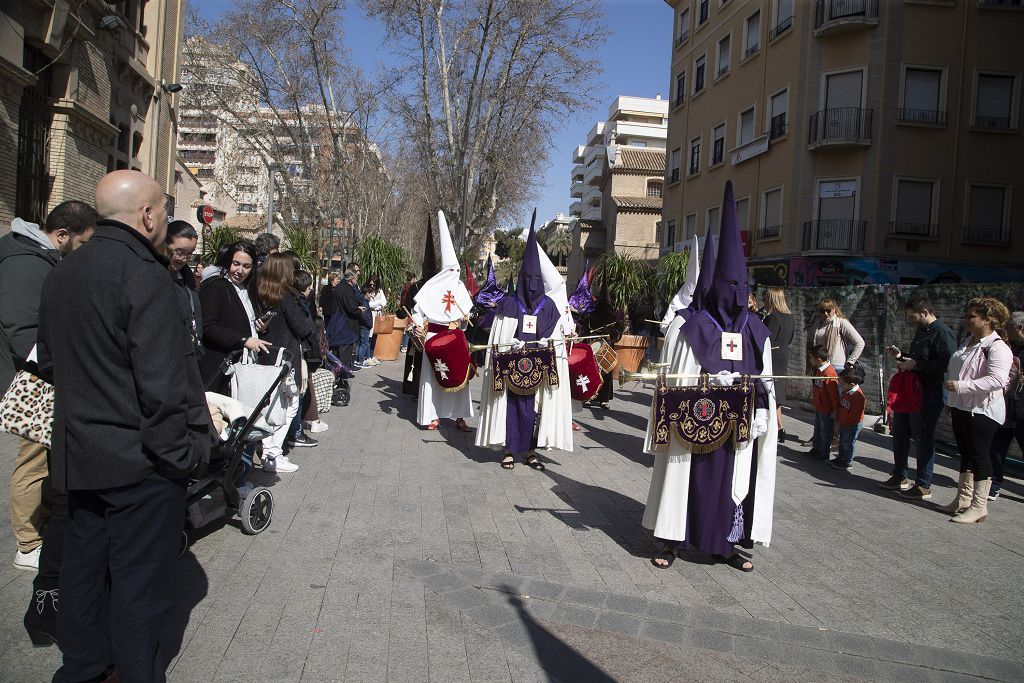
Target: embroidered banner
(522,372)
(702,417)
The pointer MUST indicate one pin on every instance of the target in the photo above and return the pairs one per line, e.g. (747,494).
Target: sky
(635,58)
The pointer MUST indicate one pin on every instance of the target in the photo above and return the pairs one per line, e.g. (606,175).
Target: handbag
(250,382)
(905,392)
(322,382)
(26,409)
(383,324)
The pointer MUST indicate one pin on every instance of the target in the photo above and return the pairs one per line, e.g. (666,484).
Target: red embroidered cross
(448,300)
(731,346)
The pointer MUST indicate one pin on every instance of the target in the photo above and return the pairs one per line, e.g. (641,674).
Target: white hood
(444,298)
(448,256)
(554,288)
(684,296)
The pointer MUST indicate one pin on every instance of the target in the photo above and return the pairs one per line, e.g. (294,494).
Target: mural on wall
(833,272)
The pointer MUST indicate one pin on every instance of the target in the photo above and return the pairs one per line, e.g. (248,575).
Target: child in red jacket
(851,413)
(825,395)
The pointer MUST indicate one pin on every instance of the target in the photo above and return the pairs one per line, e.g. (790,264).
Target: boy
(825,395)
(851,413)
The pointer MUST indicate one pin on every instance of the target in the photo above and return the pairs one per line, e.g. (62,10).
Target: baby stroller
(212,490)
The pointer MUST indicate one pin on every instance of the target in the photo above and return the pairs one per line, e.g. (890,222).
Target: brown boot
(963,495)
(978,511)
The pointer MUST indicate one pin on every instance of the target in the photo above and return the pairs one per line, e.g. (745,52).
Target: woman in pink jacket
(975,378)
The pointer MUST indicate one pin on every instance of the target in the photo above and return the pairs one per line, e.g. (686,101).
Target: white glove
(760,426)
(518,344)
(724,378)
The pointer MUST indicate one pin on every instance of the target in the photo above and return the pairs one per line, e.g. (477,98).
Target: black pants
(117,579)
(973,435)
(1004,436)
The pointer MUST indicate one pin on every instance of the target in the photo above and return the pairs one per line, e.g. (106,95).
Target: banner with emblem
(702,417)
(523,371)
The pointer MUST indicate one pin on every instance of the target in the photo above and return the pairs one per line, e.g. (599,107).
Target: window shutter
(773,208)
(784,10)
(724,53)
(994,96)
(914,202)
(753,32)
(921,89)
(714,224)
(742,212)
(836,208)
(986,209)
(780,103)
(843,90)
(746,126)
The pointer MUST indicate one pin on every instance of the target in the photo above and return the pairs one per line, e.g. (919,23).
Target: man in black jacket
(929,354)
(130,424)
(328,306)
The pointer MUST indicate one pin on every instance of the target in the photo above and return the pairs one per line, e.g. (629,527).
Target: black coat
(225,327)
(289,329)
(128,397)
(328,306)
(344,327)
(781,331)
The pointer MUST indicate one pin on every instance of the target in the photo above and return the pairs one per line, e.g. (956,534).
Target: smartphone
(265,318)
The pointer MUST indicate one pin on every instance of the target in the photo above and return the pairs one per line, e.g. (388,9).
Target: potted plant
(388,261)
(669,275)
(627,281)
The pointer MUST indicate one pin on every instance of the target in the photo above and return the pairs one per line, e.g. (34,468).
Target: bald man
(130,424)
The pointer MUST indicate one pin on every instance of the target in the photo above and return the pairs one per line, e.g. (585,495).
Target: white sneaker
(317,426)
(28,561)
(280,464)
(373,361)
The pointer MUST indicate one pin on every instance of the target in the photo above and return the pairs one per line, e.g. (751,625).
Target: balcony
(777,127)
(985,234)
(680,99)
(915,230)
(839,16)
(926,117)
(722,70)
(752,50)
(841,127)
(768,232)
(835,235)
(784,25)
(577,190)
(682,38)
(993,123)
(749,149)
(673,177)
(576,208)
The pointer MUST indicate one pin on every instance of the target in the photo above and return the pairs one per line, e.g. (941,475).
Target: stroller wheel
(183,543)
(256,510)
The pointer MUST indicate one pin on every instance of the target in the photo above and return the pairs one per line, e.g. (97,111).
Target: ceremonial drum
(584,374)
(607,358)
(448,355)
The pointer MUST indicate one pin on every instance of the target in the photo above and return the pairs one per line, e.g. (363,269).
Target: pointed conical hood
(471,286)
(582,300)
(554,284)
(726,300)
(530,286)
(491,293)
(449,259)
(684,296)
(429,256)
(706,273)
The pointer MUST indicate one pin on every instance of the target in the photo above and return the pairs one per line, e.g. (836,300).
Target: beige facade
(867,141)
(82,93)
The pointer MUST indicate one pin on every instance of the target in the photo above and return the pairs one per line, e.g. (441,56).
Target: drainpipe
(956,131)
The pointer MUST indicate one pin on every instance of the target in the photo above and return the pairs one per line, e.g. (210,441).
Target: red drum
(584,373)
(448,355)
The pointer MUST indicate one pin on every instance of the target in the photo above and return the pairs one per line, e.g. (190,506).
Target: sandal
(461,425)
(433,425)
(533,461)
(576,427)
(508,462)
(735,561)
(668,555)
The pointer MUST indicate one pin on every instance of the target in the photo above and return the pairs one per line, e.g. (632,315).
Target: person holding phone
(232,318)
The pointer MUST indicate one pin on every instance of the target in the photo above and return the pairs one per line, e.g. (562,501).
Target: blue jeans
(848,442)
(363,347)
(921,427)
(821,440)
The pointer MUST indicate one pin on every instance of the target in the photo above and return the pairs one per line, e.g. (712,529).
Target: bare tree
(488,81)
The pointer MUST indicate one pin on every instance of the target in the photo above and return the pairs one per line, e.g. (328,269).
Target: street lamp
(271,168)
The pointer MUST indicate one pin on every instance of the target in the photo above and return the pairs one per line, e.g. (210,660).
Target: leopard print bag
(27,408)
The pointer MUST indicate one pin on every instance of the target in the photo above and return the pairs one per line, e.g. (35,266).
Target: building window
(993,105)
(922,102)
(247,170)
(752,34)
(746,127)
(702,12)
(246,188)
(204,173)
(680,88)
(654,188)
(913,210)
(714,220)
(771,221)
(694,156)
(699,69)
(718,144)
(673,172)
(690,226)
(742,213)
(670,232)
(988,214)
(778,110)
(783,19)
(682,26)
(246,208)
(723,57)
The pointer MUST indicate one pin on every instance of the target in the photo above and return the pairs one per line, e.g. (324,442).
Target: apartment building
(616,183)
(868,141)
(85,88)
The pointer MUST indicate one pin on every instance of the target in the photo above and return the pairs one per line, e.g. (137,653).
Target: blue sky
(636,62)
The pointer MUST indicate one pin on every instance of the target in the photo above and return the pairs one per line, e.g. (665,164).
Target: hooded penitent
(684,296)
(429,268)
(530,298)
(491,293)
(724,305)
(582,299)
(705,275)
(443,298)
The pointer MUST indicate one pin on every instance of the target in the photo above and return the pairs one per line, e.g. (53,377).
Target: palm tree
(559,245)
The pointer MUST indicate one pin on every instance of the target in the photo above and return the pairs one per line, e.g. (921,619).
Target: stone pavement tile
(545,590)
(576,615)
(664,631)
(444,583)
(487,661)
(618,623)
(490,615)
(466,598)
(584,596)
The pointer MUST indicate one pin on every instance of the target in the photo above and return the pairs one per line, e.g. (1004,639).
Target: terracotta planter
(631,349)
(386,346)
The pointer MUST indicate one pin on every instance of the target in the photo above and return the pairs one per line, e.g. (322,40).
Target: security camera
(110,22)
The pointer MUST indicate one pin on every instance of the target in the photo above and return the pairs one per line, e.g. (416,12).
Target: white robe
(555,421)
(434,402)
(668,497)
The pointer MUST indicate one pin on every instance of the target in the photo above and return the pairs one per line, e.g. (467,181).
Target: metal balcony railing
(674,175)
(840,126)
(778,127)
(780,28)
(903,228)
(683,37)
(751,50)
(993,122)
(768,232)
(828,11)
(986,233)
(834,234)
(718,151)
(931,116)
(680,99)
(722,70)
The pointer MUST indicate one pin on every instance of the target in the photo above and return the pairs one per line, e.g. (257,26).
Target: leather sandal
(508,462)
(433,425)
(668,555)
(533,461)
(735,561)
(461,425)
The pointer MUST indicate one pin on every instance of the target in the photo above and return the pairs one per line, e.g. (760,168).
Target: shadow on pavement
(560,661)
(190,589)
(395,402)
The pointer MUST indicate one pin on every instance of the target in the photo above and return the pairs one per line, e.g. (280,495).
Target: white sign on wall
(840,188)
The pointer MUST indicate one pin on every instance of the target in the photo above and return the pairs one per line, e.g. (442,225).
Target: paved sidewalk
(400,554)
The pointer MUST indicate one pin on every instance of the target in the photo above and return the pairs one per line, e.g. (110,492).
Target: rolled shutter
(773,208)
(921,90)
(914,202)
(994,96)
(986,209)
